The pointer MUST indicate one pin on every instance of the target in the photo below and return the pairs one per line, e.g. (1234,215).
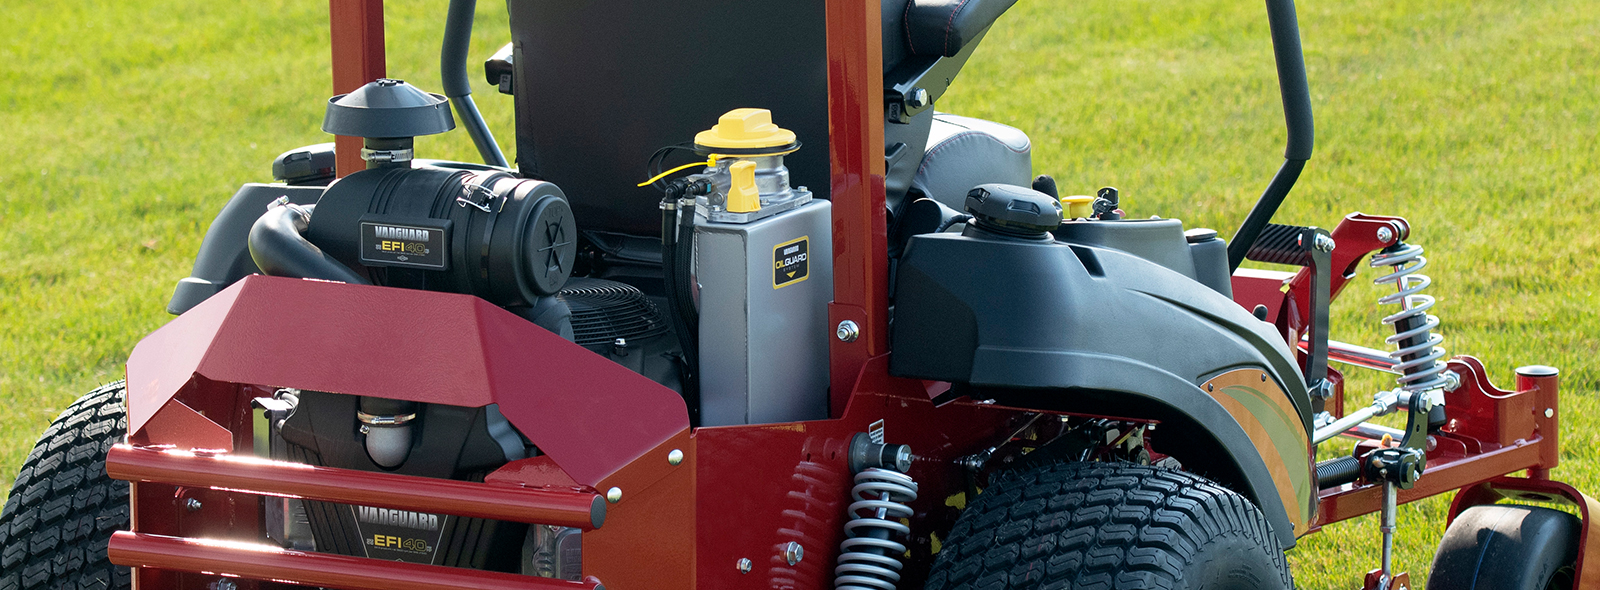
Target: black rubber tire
(1507,548)
(63,508)
(1106,526)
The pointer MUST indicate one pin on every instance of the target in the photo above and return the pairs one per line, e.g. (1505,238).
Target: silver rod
(1338,427)
(1390,494)
(1370,431)
(1360,356)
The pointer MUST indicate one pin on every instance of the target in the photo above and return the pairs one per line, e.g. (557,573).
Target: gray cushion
(964,152)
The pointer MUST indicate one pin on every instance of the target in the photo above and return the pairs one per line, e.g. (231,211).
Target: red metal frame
(355,31)
(680,524)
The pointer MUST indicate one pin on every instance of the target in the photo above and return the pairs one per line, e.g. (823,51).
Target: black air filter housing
(508,240)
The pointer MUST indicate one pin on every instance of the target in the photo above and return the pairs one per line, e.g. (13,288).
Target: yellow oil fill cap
(1077,206)
(743,196)
(745,131)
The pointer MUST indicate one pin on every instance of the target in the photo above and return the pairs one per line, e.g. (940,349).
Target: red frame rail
(265,562)
(569,507)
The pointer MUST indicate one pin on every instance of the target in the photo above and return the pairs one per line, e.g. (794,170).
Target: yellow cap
(743,196)
(1077,206)
(744,129)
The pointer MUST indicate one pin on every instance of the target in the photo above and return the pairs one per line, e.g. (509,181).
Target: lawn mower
(765,318)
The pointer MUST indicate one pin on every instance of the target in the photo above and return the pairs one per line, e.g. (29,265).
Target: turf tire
(1507,548)
(63,508)
(1104,526)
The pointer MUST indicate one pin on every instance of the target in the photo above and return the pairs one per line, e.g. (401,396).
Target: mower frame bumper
(570,507)
(264,562)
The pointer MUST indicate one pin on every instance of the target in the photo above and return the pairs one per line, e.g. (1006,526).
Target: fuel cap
(1013,210)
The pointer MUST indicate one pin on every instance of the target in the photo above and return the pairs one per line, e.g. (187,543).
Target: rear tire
(1507,548)
(63,508)
(1109,526)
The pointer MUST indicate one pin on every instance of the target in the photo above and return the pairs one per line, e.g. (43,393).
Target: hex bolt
(1324,243)
(614,495)
(193,505)
(848,331)
(675,457)
(793,553)
(743,565)
(917,98)
(1549,412)
(1385,234)
(223,584)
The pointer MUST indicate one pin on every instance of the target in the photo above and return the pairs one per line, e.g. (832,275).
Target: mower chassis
(663,506)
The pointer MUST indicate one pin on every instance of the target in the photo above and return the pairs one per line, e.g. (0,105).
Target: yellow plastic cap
(1077,206)
(743,196)
(744,129)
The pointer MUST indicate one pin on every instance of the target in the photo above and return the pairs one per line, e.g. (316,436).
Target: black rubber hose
(279,249)
(682,326)
(1296,93)
(458,86)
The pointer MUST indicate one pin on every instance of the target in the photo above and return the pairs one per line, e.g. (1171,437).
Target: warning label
(789,262)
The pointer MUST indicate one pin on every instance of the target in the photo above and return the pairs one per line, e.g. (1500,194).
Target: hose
(677,252)
(279,249)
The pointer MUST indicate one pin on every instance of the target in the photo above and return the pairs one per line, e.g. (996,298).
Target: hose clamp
(375,420)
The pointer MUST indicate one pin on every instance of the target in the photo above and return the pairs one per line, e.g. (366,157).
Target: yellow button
(743,196)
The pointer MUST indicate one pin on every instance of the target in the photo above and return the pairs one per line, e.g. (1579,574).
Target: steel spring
(1424,372)
(868,557)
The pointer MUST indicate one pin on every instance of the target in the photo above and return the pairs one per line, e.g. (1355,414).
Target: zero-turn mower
(836,338)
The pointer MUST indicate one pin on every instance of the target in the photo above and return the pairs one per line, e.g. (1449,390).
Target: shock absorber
(869,554)
(1417,353)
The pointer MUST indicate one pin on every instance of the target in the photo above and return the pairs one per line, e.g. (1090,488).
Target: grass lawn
(128,124)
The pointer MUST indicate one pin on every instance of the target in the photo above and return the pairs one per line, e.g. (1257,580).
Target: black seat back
(601,85)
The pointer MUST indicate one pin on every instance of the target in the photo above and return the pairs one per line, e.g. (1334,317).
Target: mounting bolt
(1549,412)
(1385,234)
(793,553)
(848,331)
(918,98)
(743,565)
(614,495)
(1323,243)
(223,584)
(1211,387)
(193,505)
(675,457)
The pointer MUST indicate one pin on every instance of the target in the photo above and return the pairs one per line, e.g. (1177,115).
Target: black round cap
(1013,208)
(388,108)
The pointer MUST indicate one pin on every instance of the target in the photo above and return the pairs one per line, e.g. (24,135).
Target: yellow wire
(710,162)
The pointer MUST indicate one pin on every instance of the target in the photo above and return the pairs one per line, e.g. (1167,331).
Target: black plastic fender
(1084,329)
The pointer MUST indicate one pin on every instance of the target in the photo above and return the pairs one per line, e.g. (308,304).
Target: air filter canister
(486,233)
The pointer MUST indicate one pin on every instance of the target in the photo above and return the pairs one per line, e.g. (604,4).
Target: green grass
(128,124)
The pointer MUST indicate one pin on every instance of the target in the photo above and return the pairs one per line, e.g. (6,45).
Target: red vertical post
(1545,383)
(355,30)
(855,145)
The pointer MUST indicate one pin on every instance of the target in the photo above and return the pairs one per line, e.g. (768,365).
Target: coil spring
(868,557)
(1423,372)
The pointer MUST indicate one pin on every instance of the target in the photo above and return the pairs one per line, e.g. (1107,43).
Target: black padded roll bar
(453,68)
(1296,115)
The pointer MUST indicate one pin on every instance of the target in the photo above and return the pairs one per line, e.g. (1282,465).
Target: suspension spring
(1417,351)
(869,555)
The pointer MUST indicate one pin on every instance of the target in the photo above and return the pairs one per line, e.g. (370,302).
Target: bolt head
(743,565)
(675,457)
(918,98)
(193,505)
(1324,243)
(614,495)
(848,331)
(1549,412)
(793,553)
(1385,234)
